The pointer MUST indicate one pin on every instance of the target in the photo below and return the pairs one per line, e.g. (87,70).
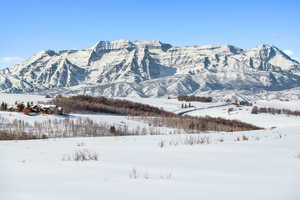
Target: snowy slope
(265,166)
(152,68)
(11,99)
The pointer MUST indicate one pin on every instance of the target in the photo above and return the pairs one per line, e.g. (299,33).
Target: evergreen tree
(2,106)
(254,110)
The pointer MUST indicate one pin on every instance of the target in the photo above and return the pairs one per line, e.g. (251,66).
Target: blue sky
(31,26)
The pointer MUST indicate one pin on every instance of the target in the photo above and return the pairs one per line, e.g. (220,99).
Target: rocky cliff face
(152,68)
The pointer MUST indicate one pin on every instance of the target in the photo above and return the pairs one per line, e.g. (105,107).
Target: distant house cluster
(30,108)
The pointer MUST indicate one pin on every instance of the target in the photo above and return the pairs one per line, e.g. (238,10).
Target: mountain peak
(124,67)
(269,51)
(111,45)
(127,44)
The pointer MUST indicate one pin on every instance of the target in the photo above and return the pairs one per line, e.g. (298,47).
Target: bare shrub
(167,176)
(245,138)
(188,140)
(135,174)
(53,128)
(242,138)
(5,135)
(81,155)
(192,140)
(80,144)
(161,144)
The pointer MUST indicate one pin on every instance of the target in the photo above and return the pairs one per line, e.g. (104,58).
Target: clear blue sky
(30,26)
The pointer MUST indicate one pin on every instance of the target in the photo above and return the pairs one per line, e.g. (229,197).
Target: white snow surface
(11,99)
(264,167)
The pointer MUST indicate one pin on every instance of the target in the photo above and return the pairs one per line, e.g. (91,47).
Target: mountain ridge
(152,68)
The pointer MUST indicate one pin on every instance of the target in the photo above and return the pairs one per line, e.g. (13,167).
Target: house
(50,109)
(31,109)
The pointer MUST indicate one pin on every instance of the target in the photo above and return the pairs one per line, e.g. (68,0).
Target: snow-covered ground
(244,114)
(173,105)
(258,165)
(266,168)
(12,98)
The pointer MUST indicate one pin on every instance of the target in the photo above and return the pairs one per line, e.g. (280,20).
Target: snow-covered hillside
(261,165)
(152,68)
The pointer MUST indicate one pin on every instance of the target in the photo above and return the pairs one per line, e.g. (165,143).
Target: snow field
(263,169)
(248,165)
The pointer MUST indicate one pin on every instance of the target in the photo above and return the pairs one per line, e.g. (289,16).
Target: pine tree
(20,107)
(254,110)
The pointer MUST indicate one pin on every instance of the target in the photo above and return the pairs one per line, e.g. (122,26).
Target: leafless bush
(242,138)
(20,136)
(81,155)
(161,144)
(188,140)
(53,128)
(135,174)
(166,176)
(245,138)
(192,140)
(80,144)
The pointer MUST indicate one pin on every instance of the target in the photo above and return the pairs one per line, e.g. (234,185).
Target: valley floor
(249,165)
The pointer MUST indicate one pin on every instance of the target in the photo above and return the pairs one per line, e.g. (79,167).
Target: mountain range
(152,69)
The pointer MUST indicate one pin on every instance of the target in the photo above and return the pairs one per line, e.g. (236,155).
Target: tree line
(191,124)
(257,110)
(194,98)
(85,104)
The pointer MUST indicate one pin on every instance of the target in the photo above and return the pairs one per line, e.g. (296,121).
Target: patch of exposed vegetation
(274,111)
(156,116)
(85,104)
(194,98)
(199,124)
(6,135)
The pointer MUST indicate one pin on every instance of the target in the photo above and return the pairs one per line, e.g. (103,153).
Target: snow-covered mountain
(152,68)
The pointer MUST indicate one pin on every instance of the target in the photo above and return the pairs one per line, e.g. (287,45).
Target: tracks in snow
(194,109)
